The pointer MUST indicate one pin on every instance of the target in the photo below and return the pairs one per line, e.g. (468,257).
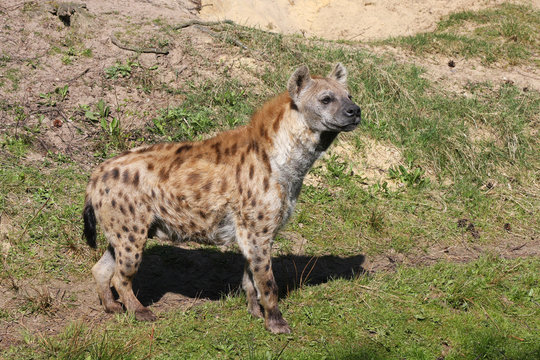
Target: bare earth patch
(338,19)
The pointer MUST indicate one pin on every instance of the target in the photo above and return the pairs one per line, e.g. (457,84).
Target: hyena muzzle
(241,185)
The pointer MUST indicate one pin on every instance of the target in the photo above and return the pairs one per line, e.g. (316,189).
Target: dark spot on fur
(266,293)
(267,267)
(115,173)
(131,209)
(257,259)
(142,231)
(124,228)
(150,166)
(107,190)
(125,176)
(163,210)
(143,150)
(256,269)
(207,187)
(128,248)
(294,106)
(182,148)
(260,216)
(265,184)
(277,122)
(131,238)
(138,255)
(163,174)
(193,178)
(136,179)
(233,149)
(118,235)
(135,228)
(113,203)
(217,149)
(266,161)
(253,202)
(198,195)
(153,193)
(202,214)
(265,230)
(240,190)
(105,176)
(243,157)
(251,171)
(249,194)
(122,210)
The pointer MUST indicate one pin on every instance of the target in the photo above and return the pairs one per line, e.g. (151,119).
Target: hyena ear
(339,74)
(298,81)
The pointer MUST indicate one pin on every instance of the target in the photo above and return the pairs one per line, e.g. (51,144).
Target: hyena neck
(295,147)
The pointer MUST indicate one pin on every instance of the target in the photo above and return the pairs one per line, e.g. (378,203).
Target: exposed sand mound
(340,19)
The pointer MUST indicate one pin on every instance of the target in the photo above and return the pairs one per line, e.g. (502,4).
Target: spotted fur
(241,185)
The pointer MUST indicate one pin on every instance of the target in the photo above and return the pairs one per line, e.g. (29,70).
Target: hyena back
(241,186)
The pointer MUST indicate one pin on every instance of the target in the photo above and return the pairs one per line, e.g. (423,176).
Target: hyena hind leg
(103,271)
(128,258)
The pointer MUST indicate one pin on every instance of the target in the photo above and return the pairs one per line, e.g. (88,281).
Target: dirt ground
(340,19)
(28,44)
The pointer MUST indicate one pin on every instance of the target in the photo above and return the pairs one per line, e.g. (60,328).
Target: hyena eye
(326,100)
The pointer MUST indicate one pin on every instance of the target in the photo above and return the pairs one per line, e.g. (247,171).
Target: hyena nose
(352,111)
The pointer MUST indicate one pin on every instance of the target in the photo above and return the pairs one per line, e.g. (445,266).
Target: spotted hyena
(241,185)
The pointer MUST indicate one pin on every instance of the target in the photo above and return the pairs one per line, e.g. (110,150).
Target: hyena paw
(278,326)
(113,307)
(145,315)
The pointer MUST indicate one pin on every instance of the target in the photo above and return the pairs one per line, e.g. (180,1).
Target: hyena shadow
(211,274)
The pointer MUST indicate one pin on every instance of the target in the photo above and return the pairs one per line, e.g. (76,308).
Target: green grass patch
(42,208)
(508,33)
(487,308)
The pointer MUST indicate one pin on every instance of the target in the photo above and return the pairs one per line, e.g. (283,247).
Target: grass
(504,34)
(487,308)
(462,160)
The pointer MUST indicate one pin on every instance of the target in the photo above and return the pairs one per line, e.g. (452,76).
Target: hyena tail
(89,224)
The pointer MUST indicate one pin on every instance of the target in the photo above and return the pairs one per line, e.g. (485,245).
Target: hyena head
(325,102)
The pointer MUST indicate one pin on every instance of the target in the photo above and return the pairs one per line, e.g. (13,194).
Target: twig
(116,42)
(202,23)
(34,217)
(78,76)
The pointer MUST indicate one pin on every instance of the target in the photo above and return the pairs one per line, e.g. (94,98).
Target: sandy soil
(340,19)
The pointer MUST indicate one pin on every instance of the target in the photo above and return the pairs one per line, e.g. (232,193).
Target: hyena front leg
(103,271)
(257,250)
